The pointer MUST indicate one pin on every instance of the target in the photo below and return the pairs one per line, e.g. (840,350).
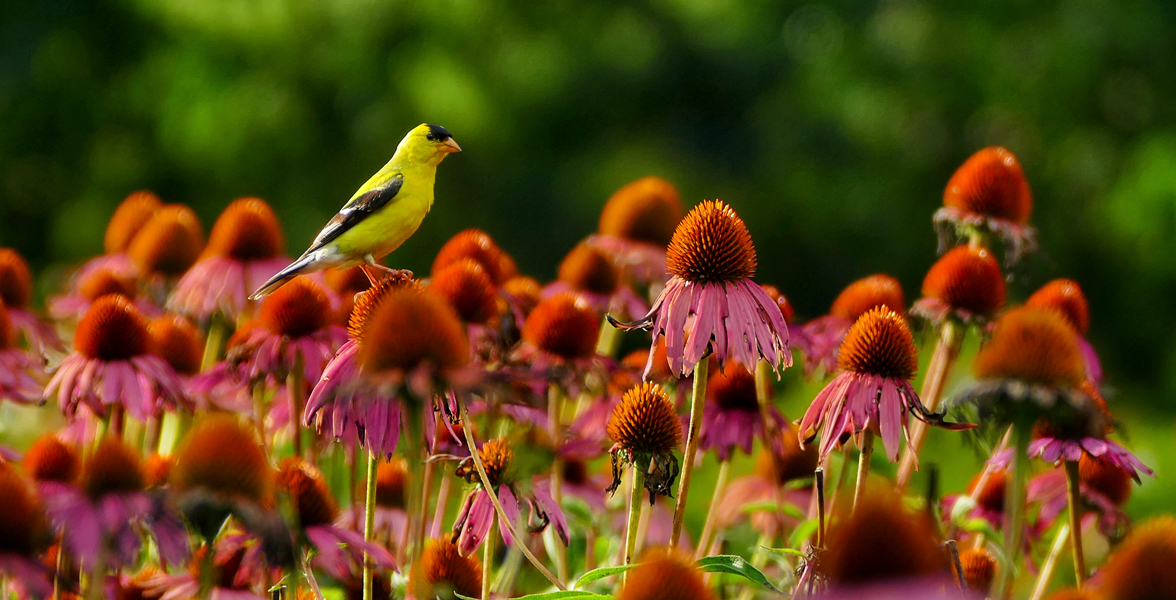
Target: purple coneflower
(732,418)
(335,548)
(20,374)
(478,246)
(166,246)
(636,225)
(112,365)
(16,292)
(24,532)
(235,571)
(1066,297)
(589,272)
(965,284)
(988,195)
(825,334)
(130,216)
(100,517)
(1104,489)
(245,249)
(92,286)
(442,572)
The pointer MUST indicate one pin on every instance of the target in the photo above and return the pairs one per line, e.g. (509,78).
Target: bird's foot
(375,272)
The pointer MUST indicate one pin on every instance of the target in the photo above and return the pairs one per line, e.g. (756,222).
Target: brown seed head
(112,468)
(880,343)
(248,229)
(991,183)
(308,491)
(468,289)
(112,329)
(476,245)
(497,458)
(711,244)
(412,327)
(169,243)
(23,527)
(222,455)
(732,388)
(130,216)
(391,479)
(1141,567)
(526,290)
(1071,593)
(16,280)
(792,461)
(663,574)
(992,495)
(104,283)
(157,470)
(588,269)
(177,341)
(786,308)
(866,293)
(563,325)
(50,459)
(297,309)
(367,301)
(979,568)
(645,421)
(1065,297)
(1033,345)
(646,210)
(880,540)
(967,278)
(442,573)
(1105,478)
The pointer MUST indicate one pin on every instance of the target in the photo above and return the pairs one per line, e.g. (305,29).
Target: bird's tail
(291,271)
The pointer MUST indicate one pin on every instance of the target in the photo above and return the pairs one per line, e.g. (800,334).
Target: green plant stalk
(369,523)
(609,340)
(555,404)
(708,529)
(502,520)
(947,349)
(414,442)
(1045,577)
(697,401)
(488,557)
(631,527)
(1075,501)
(1014,508)
(295,387)
(863,472)
(217,328)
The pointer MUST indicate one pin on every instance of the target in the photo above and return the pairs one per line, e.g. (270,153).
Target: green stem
(942,360)
(1014,506)
(863,472)
(697,401)
(609,340)
(1045,577)
(369,523)
(295,389)
(217,329)
(488,557)
(555,403)
(635,494)
(1075,502)
(414,442)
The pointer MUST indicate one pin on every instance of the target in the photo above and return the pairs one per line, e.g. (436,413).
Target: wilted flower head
(880,540)
(477,246)
(989,194)
(245,248)
(878,360)
(711,259)
(662,574)
(1141,567)
(169,243)
(824,334)
(468,288)
(442,572)
(965,283)
(645,431)
(112,364)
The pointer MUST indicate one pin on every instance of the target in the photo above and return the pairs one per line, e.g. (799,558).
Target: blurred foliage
(831,127)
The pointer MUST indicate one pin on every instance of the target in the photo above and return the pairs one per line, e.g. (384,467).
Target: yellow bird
(382,214)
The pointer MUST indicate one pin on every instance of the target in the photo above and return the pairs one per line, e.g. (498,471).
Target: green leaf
(600,573)
(802,532)
(788,551)
(768,506)
(736,565)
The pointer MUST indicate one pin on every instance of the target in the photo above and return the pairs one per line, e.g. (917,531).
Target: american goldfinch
(383,213)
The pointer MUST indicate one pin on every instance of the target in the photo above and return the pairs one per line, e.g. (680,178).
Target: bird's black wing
(357,210)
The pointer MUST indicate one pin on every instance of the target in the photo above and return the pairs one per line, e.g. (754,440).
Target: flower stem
(819,486)
(369,522)
(863,472)
(697,400)
(1045,577)
(217,328)
(712,513)
(1075,502)
(1014,506)
(609,340)
(502,520)
(426,486)
(442,504)
(295,389)
(942,360)
(635,494)
(259,413)
(488,557)
(555,404)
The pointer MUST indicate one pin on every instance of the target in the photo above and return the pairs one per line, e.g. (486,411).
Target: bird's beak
(450,146)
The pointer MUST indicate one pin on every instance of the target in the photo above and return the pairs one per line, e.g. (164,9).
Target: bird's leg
(375,271)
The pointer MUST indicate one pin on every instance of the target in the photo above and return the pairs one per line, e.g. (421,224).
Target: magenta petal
(510,509)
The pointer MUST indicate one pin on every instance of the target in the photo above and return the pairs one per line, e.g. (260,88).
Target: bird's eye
(429,136)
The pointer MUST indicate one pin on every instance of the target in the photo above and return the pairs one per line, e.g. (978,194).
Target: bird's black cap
(438,133)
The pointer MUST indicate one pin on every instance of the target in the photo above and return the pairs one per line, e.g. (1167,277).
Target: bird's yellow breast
(389,227)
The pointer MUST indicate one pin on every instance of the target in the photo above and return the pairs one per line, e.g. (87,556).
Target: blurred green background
(831,127)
